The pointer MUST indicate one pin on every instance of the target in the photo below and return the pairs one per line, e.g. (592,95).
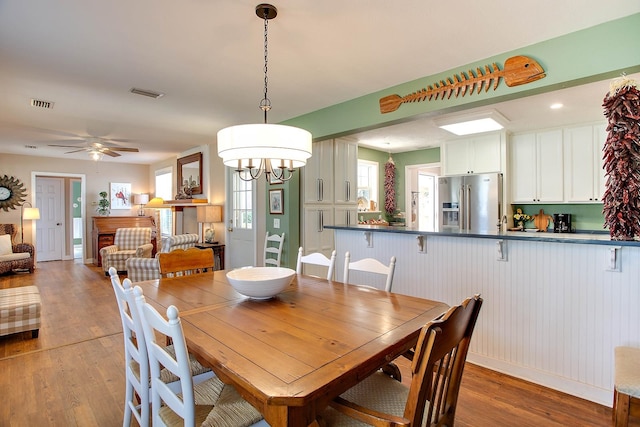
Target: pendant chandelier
(254,149)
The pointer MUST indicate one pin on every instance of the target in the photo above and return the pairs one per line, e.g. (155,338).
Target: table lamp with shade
(208,215)
(140,199)
(28,213)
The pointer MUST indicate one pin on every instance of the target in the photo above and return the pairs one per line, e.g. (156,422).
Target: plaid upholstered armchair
(21,255)
(139,269)
(127,243)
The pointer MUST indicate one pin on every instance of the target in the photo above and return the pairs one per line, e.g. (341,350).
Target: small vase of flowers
(519,218)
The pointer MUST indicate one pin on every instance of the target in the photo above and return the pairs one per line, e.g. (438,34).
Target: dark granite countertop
(581,237)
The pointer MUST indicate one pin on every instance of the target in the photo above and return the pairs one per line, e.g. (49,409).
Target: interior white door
(50,227)
(241,225)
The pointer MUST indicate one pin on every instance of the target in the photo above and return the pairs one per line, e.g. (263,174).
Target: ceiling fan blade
(130,150)
(111,153)
(66,146)
(75,151)
(69,141)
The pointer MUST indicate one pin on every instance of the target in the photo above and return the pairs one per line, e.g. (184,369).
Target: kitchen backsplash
(585,217)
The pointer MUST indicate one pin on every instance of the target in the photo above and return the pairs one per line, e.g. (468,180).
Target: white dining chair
(273,249)
(136,358)
(370,265)
(208,403)
(316,258)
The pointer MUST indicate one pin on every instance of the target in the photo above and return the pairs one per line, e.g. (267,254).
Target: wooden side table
(218,253)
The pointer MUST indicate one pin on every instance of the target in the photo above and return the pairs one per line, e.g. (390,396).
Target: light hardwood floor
(73,374)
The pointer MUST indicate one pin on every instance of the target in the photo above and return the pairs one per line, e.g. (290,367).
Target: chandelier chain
(265,104)
(273,151)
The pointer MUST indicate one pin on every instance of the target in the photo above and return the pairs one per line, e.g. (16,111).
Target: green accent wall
(289,220)
(408,158)
(593,54)
(584,217)
(418,157)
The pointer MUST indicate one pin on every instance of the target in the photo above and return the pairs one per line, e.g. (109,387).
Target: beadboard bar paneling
(552,312)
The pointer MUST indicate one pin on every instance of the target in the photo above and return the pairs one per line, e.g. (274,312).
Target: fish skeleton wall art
(518,70)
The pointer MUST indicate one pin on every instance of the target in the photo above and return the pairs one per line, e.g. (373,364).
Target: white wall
(98,176)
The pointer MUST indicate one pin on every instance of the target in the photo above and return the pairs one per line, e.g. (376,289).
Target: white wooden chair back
(370,265)
(273,249)
(134,351)
(181,399)
(317,258)
(161,392)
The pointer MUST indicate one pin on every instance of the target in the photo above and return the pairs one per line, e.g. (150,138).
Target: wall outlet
(276,222)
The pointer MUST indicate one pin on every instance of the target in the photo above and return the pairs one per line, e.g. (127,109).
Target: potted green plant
(103,204)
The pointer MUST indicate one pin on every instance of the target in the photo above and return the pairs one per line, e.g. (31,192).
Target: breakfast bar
(556,305)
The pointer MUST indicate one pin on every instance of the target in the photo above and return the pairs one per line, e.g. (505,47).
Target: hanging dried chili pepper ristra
(621,160)
(389,186)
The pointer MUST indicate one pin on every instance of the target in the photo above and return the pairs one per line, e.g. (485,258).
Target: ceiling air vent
(41,104)
(143,92)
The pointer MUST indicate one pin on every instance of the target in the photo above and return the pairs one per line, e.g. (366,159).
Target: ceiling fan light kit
(281,149)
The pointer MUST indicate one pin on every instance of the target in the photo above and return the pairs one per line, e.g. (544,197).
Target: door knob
(58,223)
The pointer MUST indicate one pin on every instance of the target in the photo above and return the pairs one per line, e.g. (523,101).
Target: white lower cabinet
(345,215)
(316,237)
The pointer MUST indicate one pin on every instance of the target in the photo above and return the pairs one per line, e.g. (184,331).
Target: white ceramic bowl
(260,282)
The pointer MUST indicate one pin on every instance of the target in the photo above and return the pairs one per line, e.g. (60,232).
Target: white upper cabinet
(345,163)
(537,167)
(583,174)
(318,174)
(478,154)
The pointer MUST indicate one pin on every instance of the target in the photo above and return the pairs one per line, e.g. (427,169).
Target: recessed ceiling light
(556,106)
(473,123)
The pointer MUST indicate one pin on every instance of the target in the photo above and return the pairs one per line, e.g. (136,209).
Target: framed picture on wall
(120,195)
(273,180)
(275,201)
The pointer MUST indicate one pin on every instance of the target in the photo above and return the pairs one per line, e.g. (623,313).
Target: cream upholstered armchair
(127,243)
(139,269)
(14,255)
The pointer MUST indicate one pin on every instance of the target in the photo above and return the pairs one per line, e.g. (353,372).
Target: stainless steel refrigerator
(470,203)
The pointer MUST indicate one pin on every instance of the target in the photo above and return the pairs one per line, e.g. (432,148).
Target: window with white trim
(367,185)
(164,184)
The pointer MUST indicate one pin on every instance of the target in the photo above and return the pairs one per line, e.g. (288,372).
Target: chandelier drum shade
(246,146)
(254,149)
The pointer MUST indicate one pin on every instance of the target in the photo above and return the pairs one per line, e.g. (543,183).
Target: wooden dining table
(289,356)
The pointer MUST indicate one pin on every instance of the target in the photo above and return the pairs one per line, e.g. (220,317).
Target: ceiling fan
(96,147)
